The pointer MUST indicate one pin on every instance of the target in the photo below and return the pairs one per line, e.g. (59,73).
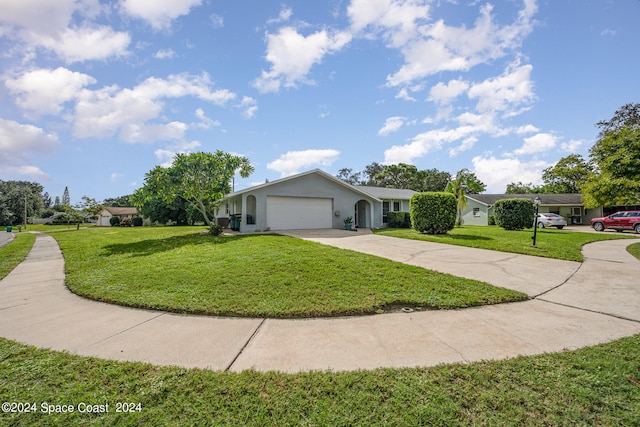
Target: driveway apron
(576,305)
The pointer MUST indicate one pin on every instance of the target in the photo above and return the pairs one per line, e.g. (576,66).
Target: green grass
(592,386)
(558,244)
(181,269)
(634,250)
(14,252)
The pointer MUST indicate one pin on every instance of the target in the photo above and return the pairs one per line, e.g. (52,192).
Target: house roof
(120,211)
(387,193)
(292,177)
(545,199)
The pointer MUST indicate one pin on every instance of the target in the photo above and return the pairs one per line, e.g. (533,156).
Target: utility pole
(25,211)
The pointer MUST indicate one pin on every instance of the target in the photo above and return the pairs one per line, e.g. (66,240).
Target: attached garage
(294,213)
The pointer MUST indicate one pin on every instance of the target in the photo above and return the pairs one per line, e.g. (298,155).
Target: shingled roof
(545,199)
(387,193)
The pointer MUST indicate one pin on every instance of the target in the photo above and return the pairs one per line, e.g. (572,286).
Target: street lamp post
(536,203)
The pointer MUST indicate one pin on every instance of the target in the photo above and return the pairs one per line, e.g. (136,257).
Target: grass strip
(634,250)
(181,269)
(592,386)
(15,252)
(550,243)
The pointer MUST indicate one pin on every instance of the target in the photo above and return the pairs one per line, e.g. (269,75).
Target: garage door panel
(291,213)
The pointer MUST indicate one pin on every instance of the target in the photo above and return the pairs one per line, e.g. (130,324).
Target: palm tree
(465,182)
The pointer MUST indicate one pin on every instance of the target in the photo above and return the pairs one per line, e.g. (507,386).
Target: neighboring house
(311,200)
(107,212)
(480,207)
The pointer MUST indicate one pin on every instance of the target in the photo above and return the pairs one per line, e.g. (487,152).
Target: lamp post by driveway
(536,203)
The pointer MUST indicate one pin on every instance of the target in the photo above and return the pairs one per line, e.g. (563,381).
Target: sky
(94,94)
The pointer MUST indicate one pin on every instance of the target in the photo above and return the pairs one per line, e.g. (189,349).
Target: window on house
(396,206)
(385,211)
(577,211)
(476,211)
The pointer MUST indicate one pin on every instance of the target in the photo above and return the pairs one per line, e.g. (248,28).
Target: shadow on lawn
(154,246)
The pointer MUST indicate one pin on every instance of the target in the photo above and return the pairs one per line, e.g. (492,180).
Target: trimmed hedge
(137,221)
(399,219)
(114,221)
(514,214)
(433,212)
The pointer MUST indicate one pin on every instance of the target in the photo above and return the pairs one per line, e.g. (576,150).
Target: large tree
(201,179)
(626,116)
(15,196)
(347,175)
(523,188)
(566,176)
(616,161)
(616,180)
(431,180)
(397,176)
(465,182)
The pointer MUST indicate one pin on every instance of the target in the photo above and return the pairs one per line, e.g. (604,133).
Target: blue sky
(94,94)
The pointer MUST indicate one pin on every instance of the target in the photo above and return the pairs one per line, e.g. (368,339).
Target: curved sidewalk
(577,305)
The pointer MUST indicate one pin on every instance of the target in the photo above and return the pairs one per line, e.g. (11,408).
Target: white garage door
(296,213)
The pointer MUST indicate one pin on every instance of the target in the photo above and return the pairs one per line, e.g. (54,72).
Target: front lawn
(181,269)
(634,250)
(550,243)
(597,385)
(14,252)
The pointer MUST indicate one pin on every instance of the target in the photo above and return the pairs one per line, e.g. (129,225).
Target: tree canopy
(201,179)
(566,176)
(616,158)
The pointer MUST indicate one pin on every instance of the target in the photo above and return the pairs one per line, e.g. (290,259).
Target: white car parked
(551,220)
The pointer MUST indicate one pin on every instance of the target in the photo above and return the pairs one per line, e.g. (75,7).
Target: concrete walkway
(575,305)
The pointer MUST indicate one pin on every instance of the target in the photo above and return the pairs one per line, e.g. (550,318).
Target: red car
(619,221)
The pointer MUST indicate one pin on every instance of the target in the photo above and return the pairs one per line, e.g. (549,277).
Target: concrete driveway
(578,305)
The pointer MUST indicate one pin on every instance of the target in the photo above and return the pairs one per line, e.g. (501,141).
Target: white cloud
(205,122)
(512,88)
(115,176)
(398,21)
(127,112)
(283,16)
(294,161)
(497,173)
(391,125)
(44,91)
(527,129)
(444,94)
(437,47)
(572,146)
(466,145)
(65,27)
(292,55)
(167,154)
(158,13)
(249,105)
(424,143)
(33,172)
(165,54)
(538,143)
(217,21)
(18,142)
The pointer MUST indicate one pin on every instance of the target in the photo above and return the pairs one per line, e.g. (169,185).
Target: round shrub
(114,221)
(433,212)
(137,222)
(514,214)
